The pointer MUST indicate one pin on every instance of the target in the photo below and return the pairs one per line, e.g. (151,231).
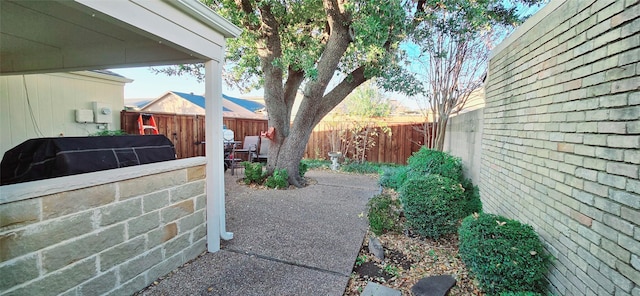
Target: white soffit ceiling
(60,36)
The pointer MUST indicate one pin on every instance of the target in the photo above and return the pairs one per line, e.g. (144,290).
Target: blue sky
(147,84)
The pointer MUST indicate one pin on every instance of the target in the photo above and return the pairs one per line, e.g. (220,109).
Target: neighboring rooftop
(250,105)
(196,99)
(174,102)
(137,103)
(107,72)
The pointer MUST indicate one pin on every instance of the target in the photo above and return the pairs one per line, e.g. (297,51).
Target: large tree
(309,45)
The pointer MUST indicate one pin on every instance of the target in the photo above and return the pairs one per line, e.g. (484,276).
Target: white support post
(216,226)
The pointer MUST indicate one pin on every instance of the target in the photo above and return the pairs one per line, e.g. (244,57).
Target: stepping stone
(374,289)
(434,286)
(375,248)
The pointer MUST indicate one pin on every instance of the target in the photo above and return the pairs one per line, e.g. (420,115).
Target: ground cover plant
(254,173)
(313,163)
(350,166)
(384,214)
(365,167)
(278,180)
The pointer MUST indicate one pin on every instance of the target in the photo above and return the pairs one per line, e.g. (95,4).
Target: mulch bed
(407,260)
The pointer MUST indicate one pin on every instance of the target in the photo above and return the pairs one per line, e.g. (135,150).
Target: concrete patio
(286,242)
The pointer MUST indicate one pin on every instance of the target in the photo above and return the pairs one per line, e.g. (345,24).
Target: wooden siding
(187,134)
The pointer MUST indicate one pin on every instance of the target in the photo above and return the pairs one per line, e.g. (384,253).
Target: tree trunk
(291,152)
(441,128)
(286,152)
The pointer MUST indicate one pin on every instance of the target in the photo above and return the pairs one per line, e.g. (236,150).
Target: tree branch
(335,17)
(291,86)
(420,5)
(247,7)
(341,91)
(336,46)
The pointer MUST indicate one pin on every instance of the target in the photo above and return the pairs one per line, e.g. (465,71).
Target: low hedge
(504,255)
(426,161)
(432,205)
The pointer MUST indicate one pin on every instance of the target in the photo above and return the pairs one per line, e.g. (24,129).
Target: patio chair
(263,152)
(249,148)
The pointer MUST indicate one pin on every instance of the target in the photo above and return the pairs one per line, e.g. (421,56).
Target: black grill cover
(44,158)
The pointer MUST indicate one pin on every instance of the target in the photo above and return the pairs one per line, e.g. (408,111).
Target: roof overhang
(62,36)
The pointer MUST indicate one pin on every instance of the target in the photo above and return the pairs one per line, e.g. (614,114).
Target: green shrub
(385,176)
(393,177)
(504,255)
(432,205)
(279,179)
(253,172)
(383,214)
(426,161)
(303,168)
(472,203)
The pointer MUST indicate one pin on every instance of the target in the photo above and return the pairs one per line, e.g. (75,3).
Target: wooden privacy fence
(392,144)
(187,134)
(187,131)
